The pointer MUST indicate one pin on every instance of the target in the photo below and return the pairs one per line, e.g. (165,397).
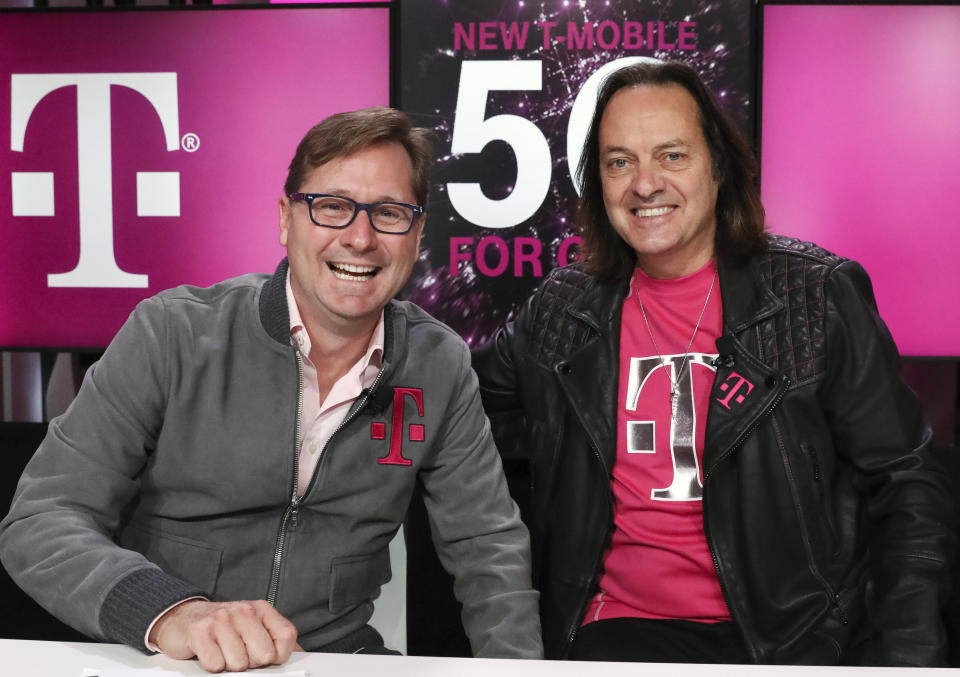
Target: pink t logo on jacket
(734,384)
(416,431)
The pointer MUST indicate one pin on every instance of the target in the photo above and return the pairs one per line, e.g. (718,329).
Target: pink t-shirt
(658,564)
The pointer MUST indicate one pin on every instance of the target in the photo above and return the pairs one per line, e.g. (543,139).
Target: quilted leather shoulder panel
(555,334)
(794,340)
(792,245)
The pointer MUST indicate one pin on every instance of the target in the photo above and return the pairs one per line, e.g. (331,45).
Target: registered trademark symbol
(190,142)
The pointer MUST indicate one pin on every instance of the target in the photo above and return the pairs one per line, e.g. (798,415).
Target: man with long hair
(726,465)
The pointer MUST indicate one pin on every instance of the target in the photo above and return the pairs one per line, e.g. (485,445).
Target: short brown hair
(347,133)
(740,214)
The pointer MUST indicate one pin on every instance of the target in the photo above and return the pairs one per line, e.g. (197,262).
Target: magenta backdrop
(250,82)
(861,152)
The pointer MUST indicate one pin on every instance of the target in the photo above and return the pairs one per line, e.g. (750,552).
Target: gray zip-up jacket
(174,473)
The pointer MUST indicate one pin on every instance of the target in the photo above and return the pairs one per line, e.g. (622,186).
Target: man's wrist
(137,600)
(150,641)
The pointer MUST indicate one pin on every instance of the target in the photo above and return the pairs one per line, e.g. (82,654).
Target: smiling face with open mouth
(659,188)
(342,278)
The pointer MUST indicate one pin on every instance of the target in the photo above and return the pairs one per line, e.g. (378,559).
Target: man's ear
(286,208)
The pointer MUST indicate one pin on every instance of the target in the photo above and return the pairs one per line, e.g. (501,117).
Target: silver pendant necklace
(675,382)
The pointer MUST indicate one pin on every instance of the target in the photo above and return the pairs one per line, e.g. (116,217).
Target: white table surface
(22,658)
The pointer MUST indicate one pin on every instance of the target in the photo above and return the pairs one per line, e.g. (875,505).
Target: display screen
(150,147)
(860,151)
(509,88)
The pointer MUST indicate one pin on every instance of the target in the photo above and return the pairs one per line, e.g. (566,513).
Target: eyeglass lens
(338,211)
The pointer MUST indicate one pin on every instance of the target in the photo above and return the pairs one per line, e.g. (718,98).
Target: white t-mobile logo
(641,435)
(158,193)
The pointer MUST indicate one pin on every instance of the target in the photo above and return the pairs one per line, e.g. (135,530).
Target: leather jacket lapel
(591,396)
(747,298)
(745,389)
(743,393)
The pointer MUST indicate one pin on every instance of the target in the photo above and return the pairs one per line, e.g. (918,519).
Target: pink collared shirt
(319,419)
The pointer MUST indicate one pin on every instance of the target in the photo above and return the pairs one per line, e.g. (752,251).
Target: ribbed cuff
(136,601)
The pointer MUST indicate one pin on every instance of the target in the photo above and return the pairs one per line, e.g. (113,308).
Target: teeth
(350,271)
(656,211)
(352,268)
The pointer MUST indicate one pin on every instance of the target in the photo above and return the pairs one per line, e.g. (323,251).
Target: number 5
(471,132)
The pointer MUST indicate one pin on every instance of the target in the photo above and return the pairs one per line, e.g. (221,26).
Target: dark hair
(740,214)
(347,133)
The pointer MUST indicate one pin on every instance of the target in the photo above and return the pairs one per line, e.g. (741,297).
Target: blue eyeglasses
(337,211)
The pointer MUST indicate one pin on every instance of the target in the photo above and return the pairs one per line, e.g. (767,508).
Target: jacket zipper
(361,403)
(821,496)
(805,535)
(812,453)
(290,513)
(706,531)
(289,519)
(588,319)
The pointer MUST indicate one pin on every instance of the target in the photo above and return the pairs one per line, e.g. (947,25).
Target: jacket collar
(747,298)
(273,305)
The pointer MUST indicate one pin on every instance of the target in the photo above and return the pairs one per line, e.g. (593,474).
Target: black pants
(658,641)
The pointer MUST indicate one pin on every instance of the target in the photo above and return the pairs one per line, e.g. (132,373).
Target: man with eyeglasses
(260,440)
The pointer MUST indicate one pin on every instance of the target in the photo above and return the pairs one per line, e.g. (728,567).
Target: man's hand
(225,635)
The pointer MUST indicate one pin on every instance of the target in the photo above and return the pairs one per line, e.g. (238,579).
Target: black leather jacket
(828,453)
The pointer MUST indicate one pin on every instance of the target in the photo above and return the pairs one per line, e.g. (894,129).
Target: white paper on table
(148,672)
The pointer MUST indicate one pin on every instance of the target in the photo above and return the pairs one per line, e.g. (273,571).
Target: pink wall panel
(861,152)
(248,83)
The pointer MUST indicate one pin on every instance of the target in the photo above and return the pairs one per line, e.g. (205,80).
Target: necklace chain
(675,383)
